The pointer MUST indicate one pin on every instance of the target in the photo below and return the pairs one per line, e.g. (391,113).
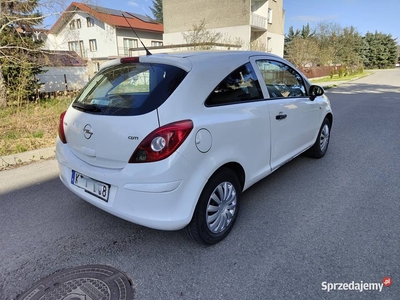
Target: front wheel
(320,146)
(217,209)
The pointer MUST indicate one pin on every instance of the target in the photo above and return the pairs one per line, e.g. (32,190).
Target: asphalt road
(333,220)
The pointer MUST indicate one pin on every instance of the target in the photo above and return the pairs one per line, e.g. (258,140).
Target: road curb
(23,158)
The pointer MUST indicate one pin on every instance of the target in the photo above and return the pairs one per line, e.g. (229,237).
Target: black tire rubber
(197,229)
(315,151)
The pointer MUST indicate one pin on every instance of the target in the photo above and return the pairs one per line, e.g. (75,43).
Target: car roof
(186,59)
(211,54)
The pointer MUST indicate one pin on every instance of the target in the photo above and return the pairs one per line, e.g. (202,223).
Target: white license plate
(90,185)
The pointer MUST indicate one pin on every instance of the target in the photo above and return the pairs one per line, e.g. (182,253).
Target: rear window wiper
(86,107)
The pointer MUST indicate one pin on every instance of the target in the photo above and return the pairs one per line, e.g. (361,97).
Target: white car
(170,141)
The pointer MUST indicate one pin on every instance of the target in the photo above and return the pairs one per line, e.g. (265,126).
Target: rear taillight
(162,142)
(61,133)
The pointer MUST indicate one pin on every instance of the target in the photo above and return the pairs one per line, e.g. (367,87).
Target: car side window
(239,86)
(281,80)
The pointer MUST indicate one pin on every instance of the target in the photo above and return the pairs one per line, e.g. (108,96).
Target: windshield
(129,89)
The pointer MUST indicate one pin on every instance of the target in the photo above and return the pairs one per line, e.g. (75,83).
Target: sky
(365,15)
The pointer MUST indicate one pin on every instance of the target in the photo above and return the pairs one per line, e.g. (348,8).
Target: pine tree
(380,50)
(157,10)
(19,50)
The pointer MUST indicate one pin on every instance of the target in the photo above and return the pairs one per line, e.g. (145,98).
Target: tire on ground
(217,208)
(321,144)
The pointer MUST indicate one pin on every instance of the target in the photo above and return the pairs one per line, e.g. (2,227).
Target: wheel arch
(237,169)
(329,116)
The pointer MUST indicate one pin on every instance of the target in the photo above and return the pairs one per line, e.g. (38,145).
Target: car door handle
(281,116)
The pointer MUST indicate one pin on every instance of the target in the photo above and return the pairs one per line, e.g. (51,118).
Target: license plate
(90,185)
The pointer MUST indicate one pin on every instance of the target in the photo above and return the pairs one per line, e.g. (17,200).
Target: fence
(315,72)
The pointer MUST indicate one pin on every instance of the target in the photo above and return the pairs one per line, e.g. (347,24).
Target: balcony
(258,23)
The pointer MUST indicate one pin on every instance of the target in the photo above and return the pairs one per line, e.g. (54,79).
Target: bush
(331,73)
(342,71)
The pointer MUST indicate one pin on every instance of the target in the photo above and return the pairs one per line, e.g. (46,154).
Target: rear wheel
(320,146)
(217,208)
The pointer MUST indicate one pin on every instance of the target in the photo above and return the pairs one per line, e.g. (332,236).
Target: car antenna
(147,50)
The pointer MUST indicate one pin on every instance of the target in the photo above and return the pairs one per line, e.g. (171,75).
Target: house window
(96,66)
(78,23)
(269,16)
(129,44)
(82,49)
(93,45)
(90,22)
(156,44)
(73,46)
(72,25)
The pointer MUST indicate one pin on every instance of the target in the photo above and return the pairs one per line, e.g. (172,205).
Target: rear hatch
(117,110)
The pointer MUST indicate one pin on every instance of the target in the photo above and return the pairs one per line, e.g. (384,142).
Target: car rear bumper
(139,193)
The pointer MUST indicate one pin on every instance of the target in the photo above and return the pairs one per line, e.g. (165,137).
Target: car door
(294,117)
(236,114)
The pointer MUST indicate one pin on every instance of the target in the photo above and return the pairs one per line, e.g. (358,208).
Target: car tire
(321,144)
(217,208)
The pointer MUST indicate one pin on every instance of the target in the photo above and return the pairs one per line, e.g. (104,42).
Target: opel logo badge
(87,131)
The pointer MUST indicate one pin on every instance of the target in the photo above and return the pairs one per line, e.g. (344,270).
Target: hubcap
(324,138)
(221,207)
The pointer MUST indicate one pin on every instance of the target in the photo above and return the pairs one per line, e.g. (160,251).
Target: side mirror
(315,91)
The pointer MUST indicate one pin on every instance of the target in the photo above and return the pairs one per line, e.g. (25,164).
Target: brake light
(61,133)
(162,142)
(126,60)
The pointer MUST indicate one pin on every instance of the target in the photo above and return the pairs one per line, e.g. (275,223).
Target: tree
(380,50)
(327,44)
(302,52)
(157,10)
(200,38)
(328,35)
(349,49)
(339,45)
(19,50)
(305,34)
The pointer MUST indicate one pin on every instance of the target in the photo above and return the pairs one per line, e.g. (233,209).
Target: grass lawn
(31,125)
(343,78)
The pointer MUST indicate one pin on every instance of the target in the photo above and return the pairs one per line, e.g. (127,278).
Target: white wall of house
(148,38)
(95,41)
(54,79)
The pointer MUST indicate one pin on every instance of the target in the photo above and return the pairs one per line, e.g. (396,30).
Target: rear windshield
(129,89)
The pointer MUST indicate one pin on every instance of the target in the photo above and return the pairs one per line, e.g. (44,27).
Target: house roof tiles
(62,59)
(112,17)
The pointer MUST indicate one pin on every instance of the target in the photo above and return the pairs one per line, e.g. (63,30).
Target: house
(98,34)
(256,24)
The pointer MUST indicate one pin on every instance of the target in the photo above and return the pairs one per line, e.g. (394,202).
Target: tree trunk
(3,94)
